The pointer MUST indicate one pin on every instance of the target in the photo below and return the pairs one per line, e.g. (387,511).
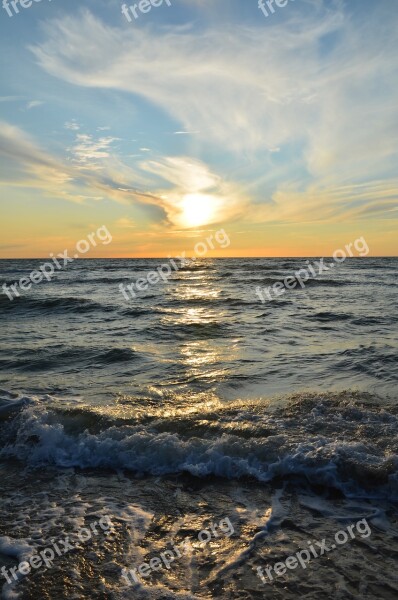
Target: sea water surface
(198,378)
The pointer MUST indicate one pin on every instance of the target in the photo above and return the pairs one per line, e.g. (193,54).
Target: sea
(196,401)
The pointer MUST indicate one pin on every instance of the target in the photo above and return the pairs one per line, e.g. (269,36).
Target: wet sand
(149,515)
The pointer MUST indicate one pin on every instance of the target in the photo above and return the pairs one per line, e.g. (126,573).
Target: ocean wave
(330,316)
(61,359)
(341,441)
(197,330)
(93,280)
(140,312)
(373,360)
(270,281)
(60,303)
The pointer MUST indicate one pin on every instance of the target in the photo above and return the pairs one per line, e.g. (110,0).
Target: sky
(195,117)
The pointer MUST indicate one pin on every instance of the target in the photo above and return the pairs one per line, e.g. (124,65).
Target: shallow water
(151,515)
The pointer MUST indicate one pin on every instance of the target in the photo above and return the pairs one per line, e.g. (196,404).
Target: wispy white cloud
(34,104)
(88,152)
(260,98)
(318,82)
(319,203)
(10,98)
(72,125)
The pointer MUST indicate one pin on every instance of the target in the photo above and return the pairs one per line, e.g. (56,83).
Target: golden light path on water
(202,357)
(199,350)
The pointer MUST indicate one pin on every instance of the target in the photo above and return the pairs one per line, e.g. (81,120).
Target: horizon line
(198,258)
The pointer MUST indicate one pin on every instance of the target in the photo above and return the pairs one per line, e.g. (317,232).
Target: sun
(197,210)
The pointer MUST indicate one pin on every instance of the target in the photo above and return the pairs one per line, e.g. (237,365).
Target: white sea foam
(331,444)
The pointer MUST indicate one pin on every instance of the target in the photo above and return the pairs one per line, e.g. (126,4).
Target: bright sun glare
(197,209)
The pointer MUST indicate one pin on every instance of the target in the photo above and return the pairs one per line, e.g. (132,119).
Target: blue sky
(282,129)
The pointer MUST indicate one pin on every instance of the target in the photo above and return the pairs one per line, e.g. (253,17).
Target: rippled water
(205,330)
